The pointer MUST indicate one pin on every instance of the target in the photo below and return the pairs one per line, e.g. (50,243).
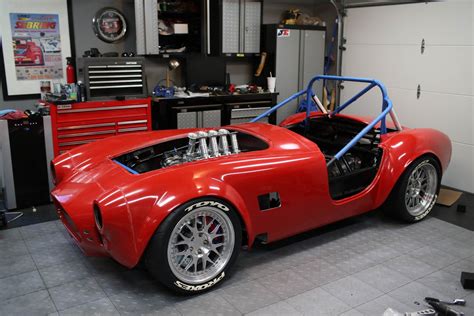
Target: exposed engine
(203,145)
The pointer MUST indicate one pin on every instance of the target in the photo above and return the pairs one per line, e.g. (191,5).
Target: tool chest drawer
(85,122)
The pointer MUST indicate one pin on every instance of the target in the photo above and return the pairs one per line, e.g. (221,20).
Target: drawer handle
(86,134)
(251,102)
(251,109)
(132,129)
(85,126)
(79,142)
(110,108)
(113,71)
(133,122)
(197,107)
(117,87)
(115,81)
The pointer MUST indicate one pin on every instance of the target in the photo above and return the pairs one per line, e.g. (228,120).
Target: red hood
(87,157)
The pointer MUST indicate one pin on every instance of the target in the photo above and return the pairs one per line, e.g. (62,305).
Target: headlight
(98,216)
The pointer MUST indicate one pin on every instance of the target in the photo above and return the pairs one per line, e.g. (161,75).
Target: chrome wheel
(201,245)
(421,189)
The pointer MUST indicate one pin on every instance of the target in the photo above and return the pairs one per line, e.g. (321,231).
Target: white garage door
(385,43)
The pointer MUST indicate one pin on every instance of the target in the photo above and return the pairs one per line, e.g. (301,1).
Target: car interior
(358,167)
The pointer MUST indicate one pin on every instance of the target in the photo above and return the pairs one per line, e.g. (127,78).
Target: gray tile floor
(359,268)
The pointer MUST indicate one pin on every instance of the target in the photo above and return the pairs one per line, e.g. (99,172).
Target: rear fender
(402,148)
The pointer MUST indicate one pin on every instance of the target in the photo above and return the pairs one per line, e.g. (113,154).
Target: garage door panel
(447,69)
(451,114)
(440,23)
(448,23)
(384,25)
(396,66)
(460,172)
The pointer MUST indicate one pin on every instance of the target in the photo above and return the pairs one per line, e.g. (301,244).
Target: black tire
(156,257)
(396,205)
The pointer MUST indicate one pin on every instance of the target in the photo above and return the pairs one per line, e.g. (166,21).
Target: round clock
(109,25)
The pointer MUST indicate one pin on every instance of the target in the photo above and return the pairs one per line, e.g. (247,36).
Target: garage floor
(357,267)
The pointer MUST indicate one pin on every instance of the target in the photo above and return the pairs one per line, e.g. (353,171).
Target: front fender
(148,208)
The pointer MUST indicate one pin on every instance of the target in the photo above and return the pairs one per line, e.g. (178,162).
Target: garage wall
(385,43)
(84,36)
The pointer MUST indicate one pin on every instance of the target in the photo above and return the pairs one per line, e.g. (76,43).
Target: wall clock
(109,25)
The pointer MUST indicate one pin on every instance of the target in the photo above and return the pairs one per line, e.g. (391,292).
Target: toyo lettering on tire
(195,246)
(416,191)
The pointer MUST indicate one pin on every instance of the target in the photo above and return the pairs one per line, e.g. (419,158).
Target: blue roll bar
(387,108)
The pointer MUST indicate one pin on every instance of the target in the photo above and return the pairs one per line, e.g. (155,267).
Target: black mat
(40,214)
(451,215)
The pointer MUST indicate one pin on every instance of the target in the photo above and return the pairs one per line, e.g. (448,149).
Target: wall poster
(36,46)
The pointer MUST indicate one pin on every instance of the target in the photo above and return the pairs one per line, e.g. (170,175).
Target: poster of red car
(36,46)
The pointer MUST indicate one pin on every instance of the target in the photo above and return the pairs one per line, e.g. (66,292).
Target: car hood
(89,157)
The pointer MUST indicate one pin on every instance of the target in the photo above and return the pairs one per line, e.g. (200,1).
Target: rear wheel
(416,191)
(194,248)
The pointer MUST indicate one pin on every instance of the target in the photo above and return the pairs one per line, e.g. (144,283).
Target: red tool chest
(84,122)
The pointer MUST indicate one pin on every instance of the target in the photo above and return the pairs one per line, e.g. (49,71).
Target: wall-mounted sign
(283,33)
(34,44)
(109,25)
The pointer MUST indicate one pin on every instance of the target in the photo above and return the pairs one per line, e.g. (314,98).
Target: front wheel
(194,248)
(416,191)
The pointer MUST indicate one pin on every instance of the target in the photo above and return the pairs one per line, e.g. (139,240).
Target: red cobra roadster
(185,201)
(26,52)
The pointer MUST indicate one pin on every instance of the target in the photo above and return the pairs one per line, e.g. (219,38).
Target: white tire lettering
(200,287)
(419,217)
(207,203)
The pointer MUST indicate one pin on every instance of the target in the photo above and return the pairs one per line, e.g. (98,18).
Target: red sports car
(185,201)
(26,52)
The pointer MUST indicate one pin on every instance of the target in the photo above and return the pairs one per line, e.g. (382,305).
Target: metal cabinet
(85,122)
(296,54)
(149,14)
(243,112)
(196,118)
(234,27)
(214,111)
(146,27)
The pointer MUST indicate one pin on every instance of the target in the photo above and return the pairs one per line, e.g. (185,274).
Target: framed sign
(109,25)
(34,45)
